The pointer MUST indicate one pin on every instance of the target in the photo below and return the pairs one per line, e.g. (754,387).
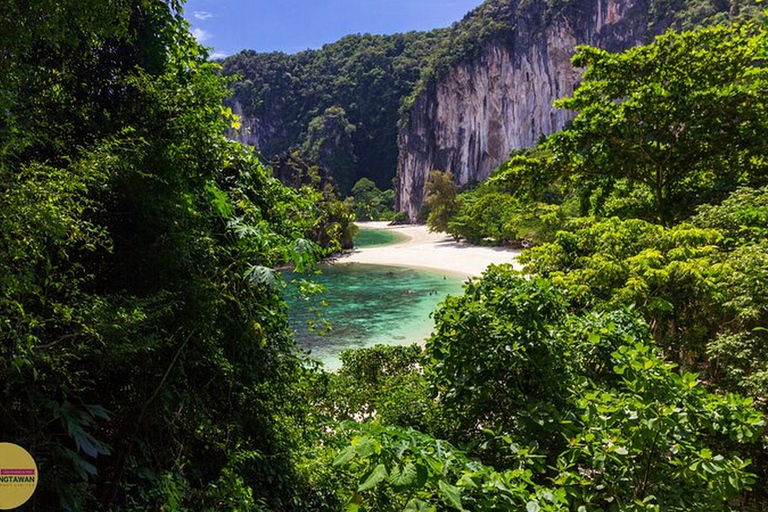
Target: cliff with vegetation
(456,99)
(468,118)
(337,106)
(491,87)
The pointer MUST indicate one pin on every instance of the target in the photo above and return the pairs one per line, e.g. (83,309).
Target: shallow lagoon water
(376,238)
(366,305)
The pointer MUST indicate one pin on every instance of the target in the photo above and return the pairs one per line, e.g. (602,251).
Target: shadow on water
(366,305)
(376,238)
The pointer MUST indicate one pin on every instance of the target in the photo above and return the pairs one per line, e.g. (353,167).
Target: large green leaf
(418,506)
(344,456)
(533,506)
(451,495)
(405,476)
(366,446)
(378,474)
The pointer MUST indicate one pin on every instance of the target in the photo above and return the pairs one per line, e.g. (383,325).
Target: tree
(671,275)
(381,382)
(698,285)
(329,220)
(565,412)
(512,319)
(441,198)
(683,118)
(584,399)
(370,203)
(145,356)
(739,351)
(366,196)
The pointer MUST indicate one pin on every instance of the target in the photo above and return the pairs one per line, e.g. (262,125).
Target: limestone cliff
(254,131)
(469,119)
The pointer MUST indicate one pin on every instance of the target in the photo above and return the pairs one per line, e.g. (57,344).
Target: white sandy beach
(436,251)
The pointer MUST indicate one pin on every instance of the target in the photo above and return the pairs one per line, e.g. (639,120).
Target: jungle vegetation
(340,106)
(337,105)
(145,355)
(652,204)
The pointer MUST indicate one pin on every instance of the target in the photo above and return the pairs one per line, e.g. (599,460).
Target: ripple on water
(367,305)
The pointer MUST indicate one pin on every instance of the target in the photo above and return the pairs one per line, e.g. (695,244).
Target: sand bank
(435,251)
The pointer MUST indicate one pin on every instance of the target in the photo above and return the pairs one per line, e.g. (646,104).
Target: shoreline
(424,250)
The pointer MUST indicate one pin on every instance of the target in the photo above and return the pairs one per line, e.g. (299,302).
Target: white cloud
(217,55)
(202,15)
(201,35)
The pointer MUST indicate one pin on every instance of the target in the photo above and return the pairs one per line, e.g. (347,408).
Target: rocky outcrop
(252,131)
(468,120)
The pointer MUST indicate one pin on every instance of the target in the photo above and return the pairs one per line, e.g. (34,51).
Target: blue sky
(229,26)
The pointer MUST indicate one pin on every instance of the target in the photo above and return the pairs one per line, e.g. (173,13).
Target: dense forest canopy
(145,355)
(358,80)
(144,350)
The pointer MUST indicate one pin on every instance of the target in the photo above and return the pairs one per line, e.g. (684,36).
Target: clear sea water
(376,237)
(366,305)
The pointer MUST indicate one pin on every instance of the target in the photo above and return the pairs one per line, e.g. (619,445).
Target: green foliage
(682,119)
(742,217)
(494,351)
(566,412)
(531,175)
(738,351)
(145,358)
(370,203)
(498,218)
(668,274)
(329,142)
(524,202)
(381,383)
(649,441)
(329,221)
(691,15)
(401,218)
(484,216)
(698,288)
(403,469)
(441,199)
(365,75)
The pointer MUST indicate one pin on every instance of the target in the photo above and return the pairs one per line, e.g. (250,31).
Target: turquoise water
(376,237)
(366,305)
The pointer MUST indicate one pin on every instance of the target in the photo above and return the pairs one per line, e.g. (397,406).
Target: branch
(59,340)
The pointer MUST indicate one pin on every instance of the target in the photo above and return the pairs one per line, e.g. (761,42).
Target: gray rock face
(468,121)
(252,132)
